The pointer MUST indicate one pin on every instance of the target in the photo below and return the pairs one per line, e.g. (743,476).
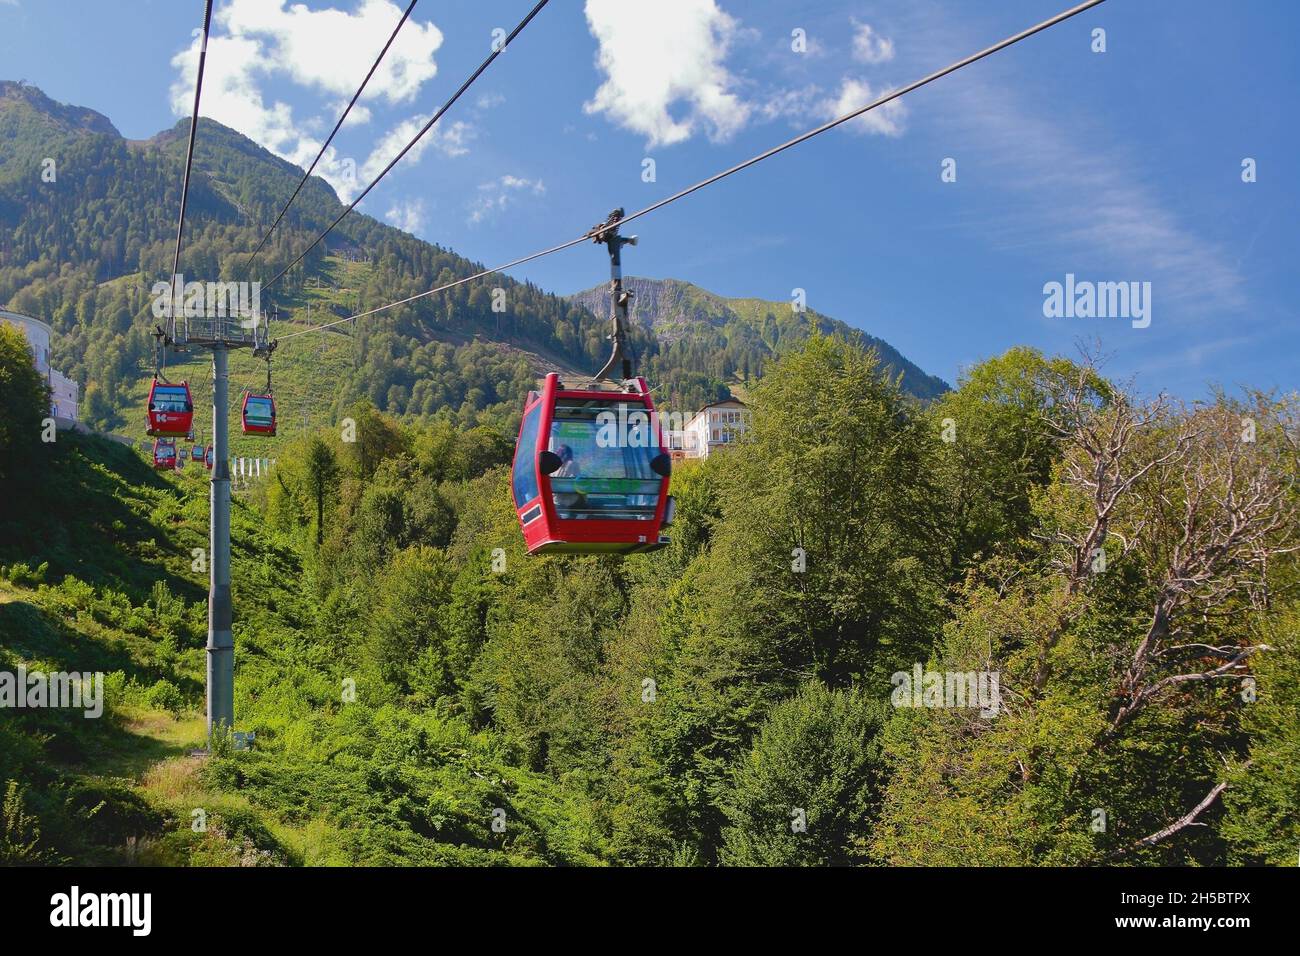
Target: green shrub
(20,834)
(164,695)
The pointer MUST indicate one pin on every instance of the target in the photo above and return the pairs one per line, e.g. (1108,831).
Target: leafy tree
(377,437)
(24,403)
(993,448)
(804,793)
(406,639)
(322,474)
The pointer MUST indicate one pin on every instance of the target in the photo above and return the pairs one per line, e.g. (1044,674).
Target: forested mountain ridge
(87,224)
(18,96)
(725,339)
(84,236)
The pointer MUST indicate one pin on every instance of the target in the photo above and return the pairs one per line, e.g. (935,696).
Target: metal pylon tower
(220,335)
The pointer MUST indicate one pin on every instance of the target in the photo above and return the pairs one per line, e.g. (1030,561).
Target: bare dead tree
(1188,819)
(1100,434)
(1206,498)
(1228,509)
(1204,501)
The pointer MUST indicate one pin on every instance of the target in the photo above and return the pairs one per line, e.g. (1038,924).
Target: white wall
(38,337)
(65,393)
(708,429)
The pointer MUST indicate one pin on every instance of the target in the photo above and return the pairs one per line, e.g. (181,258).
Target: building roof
(705,408)
(20,317)
(725,401)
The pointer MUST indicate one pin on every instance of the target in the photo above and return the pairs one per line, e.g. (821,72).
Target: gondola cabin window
(525,468)
(171,398)
(605,448)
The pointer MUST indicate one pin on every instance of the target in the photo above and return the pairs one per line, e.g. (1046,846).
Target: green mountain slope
(83,251)
(727,340)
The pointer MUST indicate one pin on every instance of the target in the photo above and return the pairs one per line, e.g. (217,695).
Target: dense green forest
(1124,567)
(82,250)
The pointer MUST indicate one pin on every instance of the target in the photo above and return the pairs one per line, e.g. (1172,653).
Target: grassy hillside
(97,576)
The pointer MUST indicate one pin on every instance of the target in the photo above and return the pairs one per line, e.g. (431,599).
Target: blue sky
(1122,166)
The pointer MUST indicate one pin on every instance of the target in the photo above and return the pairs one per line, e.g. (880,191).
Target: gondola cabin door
(590,473)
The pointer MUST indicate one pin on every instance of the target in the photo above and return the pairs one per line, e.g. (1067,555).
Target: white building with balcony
(64,393)
(714,426)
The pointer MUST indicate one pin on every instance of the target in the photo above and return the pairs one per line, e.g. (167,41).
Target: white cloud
(886,120)
(497,195)
(230,91)
(801,105)
(869,46)
(331,50)
(657,56)
(407,216)
(359,115)
(450,140)
(328,51)
(487,101)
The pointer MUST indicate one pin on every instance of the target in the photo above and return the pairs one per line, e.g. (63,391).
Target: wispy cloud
(1099,200)
(406,215)
(1057,179)
(496,195)
(886,120)
(869,46)
(451,140)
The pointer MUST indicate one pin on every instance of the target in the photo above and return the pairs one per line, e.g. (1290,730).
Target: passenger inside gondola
(605,469)
(170,398)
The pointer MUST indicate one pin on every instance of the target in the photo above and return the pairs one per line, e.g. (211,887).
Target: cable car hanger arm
(606,233)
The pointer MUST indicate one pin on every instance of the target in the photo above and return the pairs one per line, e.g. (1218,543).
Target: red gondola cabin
(590,472)
(171,410)
(196,454)
(164,454)
(209,457)
(259,415)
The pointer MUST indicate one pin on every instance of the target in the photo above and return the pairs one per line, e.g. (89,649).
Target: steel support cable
(329,139)
(802,137)
(189,152)
(427,126)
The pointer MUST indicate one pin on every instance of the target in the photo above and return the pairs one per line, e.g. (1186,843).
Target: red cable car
(209,457)
(196,454)
(590,475)
(590,472)
(164,454)
(258,414)
(259,407)
(171,410)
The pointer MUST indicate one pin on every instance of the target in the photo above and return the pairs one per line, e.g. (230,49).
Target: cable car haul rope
(766,154)
(590,473)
